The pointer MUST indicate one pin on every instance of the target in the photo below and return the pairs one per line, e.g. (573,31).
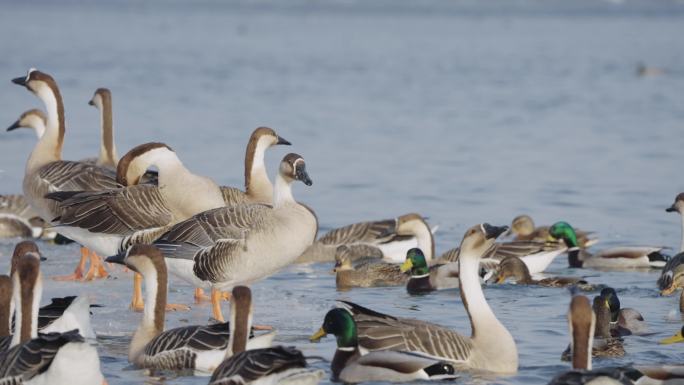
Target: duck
(581,322)
(672,278)
(52,358)
(388,239)
(424,278)
(616,257)
(219,248)
(270,365)
(513,267)
(493,350)
(603,342)
(351,365)
(198,347)
(18,220)
(623,321)
(676,338)
(523,229)
(47,172)
(367,273)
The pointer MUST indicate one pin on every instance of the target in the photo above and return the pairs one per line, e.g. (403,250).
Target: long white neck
(258,185)
(31,312)
(282,193)
(38,126)
(425,241)
(48,148)
(149,325)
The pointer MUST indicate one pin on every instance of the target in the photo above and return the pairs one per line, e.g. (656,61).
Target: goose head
(340,323)
(411,224)
(678,205)
(677,338)
(240,318)
(672,276)
(613,302)
(5,305)
(522,225)
(20,250)
(511,267)
(293,168)
(265,137)
(415,263)
(563,230)
(37,82)
(34,119)
(143,259)
(134,164)
(342,259)
(100,97)
(27,291)
(478,239)
(581,322)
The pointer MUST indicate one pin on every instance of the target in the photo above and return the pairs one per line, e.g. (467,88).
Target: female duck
(275,365)
(515,268)
(490,347)
(524,230)
(349,365)
(365,273)
(200,348)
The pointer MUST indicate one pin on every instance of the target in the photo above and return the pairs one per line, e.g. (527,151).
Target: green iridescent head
(340,323)
(563,230)
(415,261)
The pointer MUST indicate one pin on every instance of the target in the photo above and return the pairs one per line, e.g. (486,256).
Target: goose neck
(257,183)
(152,323)
(49,146)
(108,156)
(27,295)
(581,345)
(426,241)
(282,193)
(240,325)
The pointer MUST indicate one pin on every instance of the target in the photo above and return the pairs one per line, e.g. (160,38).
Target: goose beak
(671,209)
(283,141)
(20,81)
(303,176)
(14,126)
(674,339)
(406,266)
(121,260)
(318,335)
(493,231)
(91,102)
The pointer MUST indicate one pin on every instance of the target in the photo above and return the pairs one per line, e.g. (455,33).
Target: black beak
(671,209)
(42,259)
(14,126)
(20,81)
(493,231)
(303,176)
(91,103)
(282,140)
(120,259)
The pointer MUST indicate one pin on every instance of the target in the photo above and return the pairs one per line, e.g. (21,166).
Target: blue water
(463,111)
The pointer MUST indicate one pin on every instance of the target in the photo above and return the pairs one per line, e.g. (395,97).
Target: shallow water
(462,111)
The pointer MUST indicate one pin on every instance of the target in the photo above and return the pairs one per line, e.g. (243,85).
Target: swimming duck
(350,365)
(515,268)
(672,278)
(52,358)
(225,247)
(47,172)
(676,338)
(524,230)
(426,279)
(273,365)
(616,257)
(623,321)
(603,343)
(490,347)
(200,348)
(367,273)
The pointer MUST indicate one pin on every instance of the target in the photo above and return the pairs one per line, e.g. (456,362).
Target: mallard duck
(367,273)
(426,279)
(490,347)
(676,338)
(616,257)
(274,365)
(603,343)
(623,321)
(515,268)
(524,230)
(198,347)
(672,278)
(349,365)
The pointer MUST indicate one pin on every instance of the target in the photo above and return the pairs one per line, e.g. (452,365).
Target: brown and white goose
(490,346)
(200,348)
(102,100)
(34,119)
(46,171)
(229,246)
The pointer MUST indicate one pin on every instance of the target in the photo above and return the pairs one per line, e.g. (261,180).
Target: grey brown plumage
(366,273)
(251,365)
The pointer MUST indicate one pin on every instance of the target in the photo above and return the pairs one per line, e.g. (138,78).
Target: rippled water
(462,111)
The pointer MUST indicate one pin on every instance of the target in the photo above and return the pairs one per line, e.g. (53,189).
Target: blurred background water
(464,111)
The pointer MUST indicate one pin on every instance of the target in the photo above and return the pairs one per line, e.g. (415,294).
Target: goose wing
(196,337)
(77,176)
(252,365)
(35,356)
(233,196)
(121,211)
(362,232)
(379,331)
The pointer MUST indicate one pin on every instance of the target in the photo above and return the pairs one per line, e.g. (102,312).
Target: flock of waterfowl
(147,211)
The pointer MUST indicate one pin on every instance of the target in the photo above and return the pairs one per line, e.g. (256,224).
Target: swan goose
(246,365)
(52,358)
(47,172)
(199,348)
(615,257)
(490,346)
(351,365)
(228,246)
(389,239)
(102,100)
(524,230)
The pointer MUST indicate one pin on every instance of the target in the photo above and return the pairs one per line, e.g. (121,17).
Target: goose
(34,119)
(623,321)
(350,365)
(513,267)
(271,365)
(220,248)
(524,230)
(581,322)
(367,273)
(616,257)
(199,348)
(489,348)
(47,172)
(102,100)
(672,278)
(424,278)
(5,312)
(388,239)
(17,219)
